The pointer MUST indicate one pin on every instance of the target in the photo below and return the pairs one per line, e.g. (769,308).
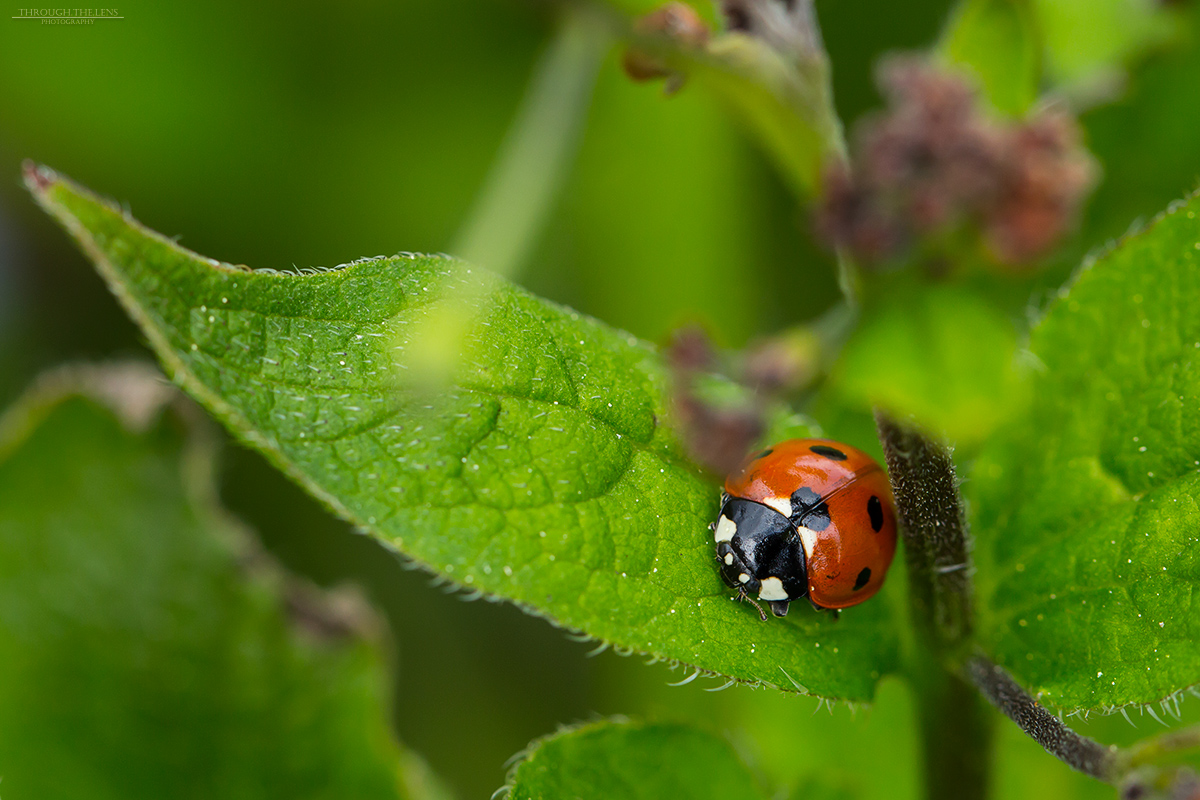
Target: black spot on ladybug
(875,509)
(809,510)
(828,452)
(763,454)
(862,578)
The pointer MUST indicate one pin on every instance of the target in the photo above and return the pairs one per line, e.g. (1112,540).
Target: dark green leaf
(546,472)
(146,648)
(632,760)
(1086,510)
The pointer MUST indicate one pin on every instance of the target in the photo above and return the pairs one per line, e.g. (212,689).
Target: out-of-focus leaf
(997,42)
(775,75)
(1085,510)
(787,105)
(1089,42)
(146,649)
(942,355)
(1080,47)
(632,760)
(1146,141)
(546,472)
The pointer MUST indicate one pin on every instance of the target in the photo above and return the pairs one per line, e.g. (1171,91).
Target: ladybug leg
(834,613)
(778,607)
(742,595)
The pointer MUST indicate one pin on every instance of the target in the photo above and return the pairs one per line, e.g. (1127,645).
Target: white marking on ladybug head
(726,528)
(781,504)
(744,578)
(729,559)
(772,589)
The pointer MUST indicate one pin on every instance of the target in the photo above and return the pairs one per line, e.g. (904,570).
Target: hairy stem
(956,726)
(1084,754)
(954,722)
(934,531)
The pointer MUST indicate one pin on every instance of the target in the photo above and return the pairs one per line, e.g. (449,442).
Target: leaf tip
(38,177)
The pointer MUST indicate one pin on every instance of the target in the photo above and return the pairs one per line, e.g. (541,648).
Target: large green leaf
(545,472)
(146,649)
(632,760)
(1086,511)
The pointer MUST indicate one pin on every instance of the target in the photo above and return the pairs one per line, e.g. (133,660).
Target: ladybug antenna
(752,602)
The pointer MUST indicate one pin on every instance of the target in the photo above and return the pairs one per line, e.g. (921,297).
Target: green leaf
(997,42)
(632,760)
(1145,143)
(1009,44)
(145,645)
(1086,510)
(546,472)
(786,104)
(941,354)
(1090,41)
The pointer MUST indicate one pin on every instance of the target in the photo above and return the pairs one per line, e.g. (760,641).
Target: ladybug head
(736,573)
(760,554)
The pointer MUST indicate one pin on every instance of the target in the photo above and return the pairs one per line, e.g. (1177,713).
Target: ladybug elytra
(806,518)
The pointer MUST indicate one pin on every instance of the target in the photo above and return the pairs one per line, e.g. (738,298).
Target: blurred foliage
(938,353)
(146,645)
(1087,43)
(997,42)
(285,135)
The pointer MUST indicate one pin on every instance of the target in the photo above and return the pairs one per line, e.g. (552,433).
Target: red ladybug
(807,517)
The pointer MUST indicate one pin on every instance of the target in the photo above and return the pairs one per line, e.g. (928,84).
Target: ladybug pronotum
(806,518)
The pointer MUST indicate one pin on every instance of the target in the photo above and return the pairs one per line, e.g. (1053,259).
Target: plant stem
(956,726)
(956,734)
(534,159)
(1165,744)
(1084,754)
(934,532)
(1137,769)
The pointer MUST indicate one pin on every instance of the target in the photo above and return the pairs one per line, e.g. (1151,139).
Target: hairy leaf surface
(1086,512)
(543,471)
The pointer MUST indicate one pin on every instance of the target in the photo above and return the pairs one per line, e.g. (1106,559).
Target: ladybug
(806,518)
